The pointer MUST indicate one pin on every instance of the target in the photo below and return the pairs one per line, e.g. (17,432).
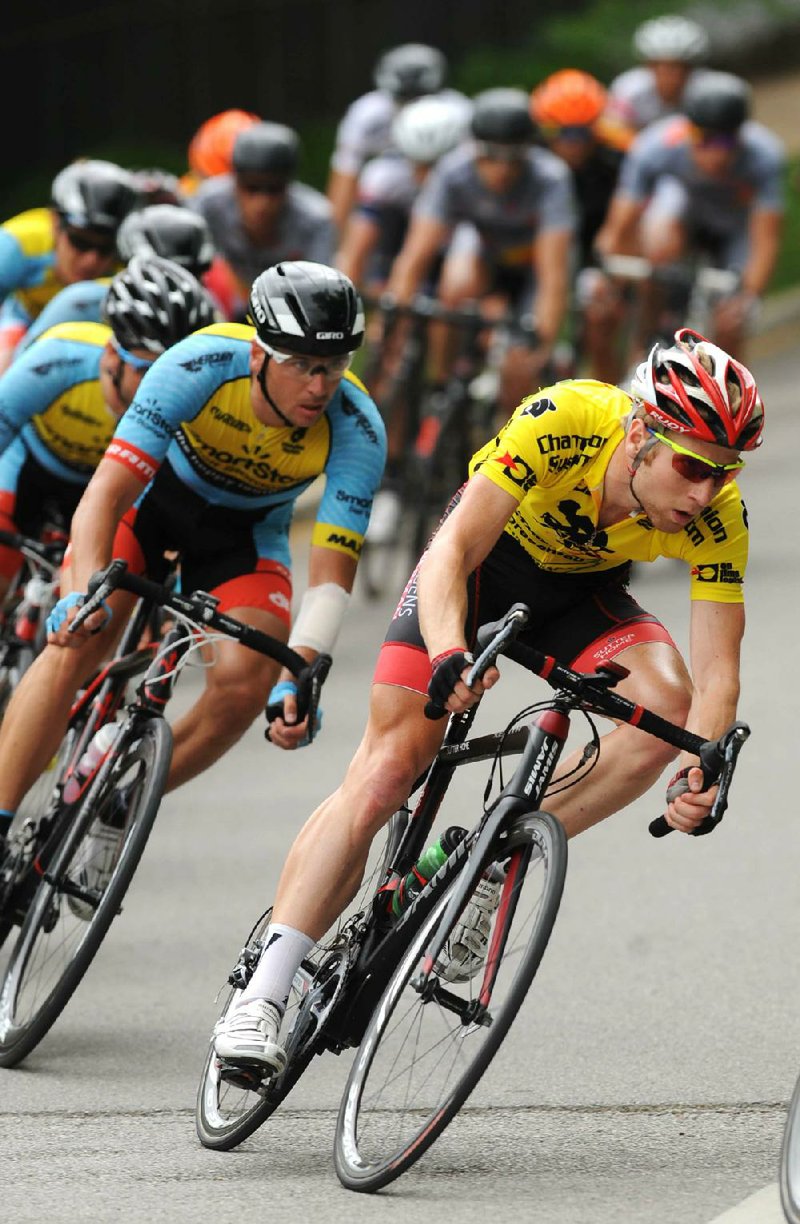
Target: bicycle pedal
(245,1078)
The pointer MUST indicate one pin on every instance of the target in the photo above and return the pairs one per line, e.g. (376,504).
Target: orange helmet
(569,98)
(212,144)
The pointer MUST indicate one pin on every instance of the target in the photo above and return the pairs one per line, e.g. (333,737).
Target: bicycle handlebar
(48,554)
(469,316)
(717,757)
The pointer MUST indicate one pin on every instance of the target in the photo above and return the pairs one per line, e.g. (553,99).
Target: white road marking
(764,1207)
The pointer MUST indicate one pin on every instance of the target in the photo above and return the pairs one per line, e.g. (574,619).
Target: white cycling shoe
(93,865)
(464,954)
(248,1036)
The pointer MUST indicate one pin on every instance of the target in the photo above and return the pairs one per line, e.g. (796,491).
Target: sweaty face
(498,174)
(668,499)
(260,198)
(299,388)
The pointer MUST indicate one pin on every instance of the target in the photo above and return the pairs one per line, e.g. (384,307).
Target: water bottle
(96,751)
(425,868)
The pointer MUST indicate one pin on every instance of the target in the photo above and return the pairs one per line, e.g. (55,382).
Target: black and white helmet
(267,148)
(427,128)
(94,195)
(411,70)
(502,116)
(305,307)
(154,302)
(671,37)
(169,231)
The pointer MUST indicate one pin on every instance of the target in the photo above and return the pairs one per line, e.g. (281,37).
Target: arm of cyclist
(765,232)
(715,639)
(459,546)
(619,233)
(330,580)
(360,238)
(425,238)
(551,266)
(109,495)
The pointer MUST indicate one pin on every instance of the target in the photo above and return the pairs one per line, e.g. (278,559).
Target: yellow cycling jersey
(552,457)
(52,395)
(34,231)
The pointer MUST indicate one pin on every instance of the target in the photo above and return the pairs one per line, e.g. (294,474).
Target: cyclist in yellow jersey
(44,249)
(582,480)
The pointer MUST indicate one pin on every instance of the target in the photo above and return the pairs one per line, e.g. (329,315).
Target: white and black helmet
(267,148)
(410,71)
(94,195)
(154,302)
(426,129)
(170,231)
(305,307)
(671,37)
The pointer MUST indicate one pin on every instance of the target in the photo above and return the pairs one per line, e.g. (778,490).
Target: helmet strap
(262,382)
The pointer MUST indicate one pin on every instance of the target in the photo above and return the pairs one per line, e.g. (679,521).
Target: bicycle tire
(222,1120)
(139,764)
(789,1174)
(369,1151)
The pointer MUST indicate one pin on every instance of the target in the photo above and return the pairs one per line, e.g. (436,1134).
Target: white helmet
(671,38)
(429,127)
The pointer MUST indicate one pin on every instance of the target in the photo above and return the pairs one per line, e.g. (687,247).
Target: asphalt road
(647,1076)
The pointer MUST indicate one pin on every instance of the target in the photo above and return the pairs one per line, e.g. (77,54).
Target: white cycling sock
(284,949)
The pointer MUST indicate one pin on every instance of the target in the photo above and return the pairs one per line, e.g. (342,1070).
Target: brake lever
(718,767)
(101,584)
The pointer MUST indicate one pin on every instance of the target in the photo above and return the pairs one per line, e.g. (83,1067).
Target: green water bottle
(425,868)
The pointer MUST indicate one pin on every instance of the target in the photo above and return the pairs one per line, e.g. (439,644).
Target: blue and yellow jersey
(552,457)
(78,303)
(193,408)
(27,257)
(51,398)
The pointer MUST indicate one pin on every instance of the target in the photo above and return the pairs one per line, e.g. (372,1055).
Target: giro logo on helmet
(330,335)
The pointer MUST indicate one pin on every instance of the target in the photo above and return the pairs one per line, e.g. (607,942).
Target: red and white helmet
(699,390)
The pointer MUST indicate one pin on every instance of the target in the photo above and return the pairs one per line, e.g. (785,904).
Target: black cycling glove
(446,671)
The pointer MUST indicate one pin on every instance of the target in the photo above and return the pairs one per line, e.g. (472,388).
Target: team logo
(538,407)
(517,470)
(279,599)
(723,572)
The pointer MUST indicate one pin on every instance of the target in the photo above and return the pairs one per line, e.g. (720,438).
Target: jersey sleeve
(172,392)
(640,168)
(717,549)
(79,303)
(31,384)
(557,202)
(12,263)
(435,199)
(353,471)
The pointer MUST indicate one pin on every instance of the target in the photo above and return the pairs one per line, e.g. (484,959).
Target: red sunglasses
(695,468)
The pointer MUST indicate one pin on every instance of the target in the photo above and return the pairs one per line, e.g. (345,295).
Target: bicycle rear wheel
(790,1160)
(65,924)
(424,1053)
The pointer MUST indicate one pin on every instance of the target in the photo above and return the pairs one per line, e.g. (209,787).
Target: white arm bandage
(319,620)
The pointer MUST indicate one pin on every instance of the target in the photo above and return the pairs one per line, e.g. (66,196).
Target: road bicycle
(45,883)
(424,1036)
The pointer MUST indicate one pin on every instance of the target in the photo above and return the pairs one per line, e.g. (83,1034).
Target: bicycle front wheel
(426,1049)
(790,1160)
(68,917)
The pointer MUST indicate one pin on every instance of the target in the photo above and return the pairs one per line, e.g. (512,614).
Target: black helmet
(718,101)
(153,303)
(267,148)
(169,231)
(94,195)
(502,116)
(411,71)
(304,307)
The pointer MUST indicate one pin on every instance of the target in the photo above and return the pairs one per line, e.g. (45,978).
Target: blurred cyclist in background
(422,132)
(507,208)
(401,75)
(167,230)
(708,182)
(44,249)
(670,48)
(60,402)
(569,110)
(211,147)
(259,215)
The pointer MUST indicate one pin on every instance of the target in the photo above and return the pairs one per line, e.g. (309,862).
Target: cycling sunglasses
(490,151)
(82,241)
(138,363)
(307,367)
(270,187)
(577,133)
(705,138)
(695,468)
